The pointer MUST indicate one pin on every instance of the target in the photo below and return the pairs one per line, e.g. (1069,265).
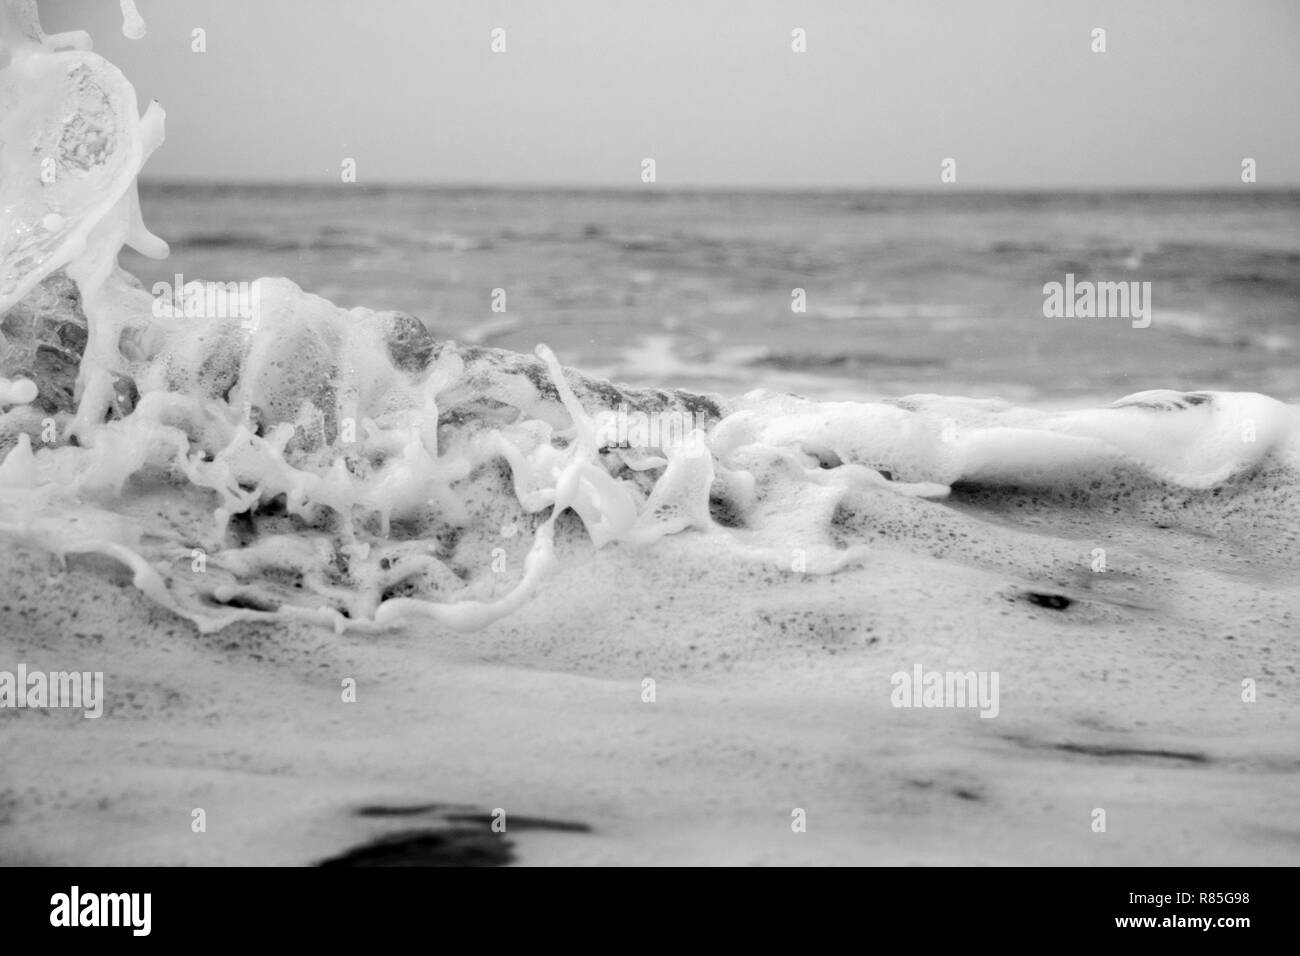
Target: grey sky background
(711,90)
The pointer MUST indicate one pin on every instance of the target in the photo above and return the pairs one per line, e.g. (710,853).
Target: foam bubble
(20,391)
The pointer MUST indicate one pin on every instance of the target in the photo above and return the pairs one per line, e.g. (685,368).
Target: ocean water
(903,292)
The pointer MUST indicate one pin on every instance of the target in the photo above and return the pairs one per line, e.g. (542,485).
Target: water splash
(132,23)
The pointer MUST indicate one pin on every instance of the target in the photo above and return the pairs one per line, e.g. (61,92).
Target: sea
(832,295)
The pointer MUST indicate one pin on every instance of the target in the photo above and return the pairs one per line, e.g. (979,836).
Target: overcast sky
(711,90)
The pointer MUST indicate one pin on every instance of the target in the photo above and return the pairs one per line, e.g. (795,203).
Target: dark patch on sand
(726,513)
(454,846)
(961,793)
(1107,752)
(1057,602)
(1097,750)
(453,835)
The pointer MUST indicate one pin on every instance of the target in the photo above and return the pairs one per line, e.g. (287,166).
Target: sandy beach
(774,699)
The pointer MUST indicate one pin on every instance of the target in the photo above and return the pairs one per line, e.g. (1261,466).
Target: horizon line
(249,183)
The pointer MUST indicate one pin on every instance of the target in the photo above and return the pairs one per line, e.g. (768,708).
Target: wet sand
(772,692)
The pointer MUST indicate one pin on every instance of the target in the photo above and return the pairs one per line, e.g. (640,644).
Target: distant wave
(326,241)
